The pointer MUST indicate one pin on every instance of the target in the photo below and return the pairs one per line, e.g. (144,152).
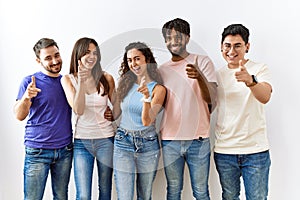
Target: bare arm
(75,96)
(151,109)
(208,89)
(261,91)
(108,114)
(22,106)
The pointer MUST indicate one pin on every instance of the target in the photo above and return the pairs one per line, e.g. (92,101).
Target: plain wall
(274,31)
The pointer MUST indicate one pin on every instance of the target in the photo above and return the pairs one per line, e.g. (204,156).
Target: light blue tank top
(132,107)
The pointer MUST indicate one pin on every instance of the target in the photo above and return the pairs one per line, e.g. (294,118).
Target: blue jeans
(85,153)
(135,153)
(254,169)
(196,154)
(38,163)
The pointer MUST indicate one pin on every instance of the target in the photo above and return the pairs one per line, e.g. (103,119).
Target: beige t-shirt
(186,114)
(241,123)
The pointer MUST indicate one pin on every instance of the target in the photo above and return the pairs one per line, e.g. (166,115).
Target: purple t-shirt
(49,120)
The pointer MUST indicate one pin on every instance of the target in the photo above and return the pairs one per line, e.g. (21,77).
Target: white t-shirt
(241,123)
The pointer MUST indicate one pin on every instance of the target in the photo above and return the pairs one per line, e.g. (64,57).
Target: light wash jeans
(254,169)
(86,151)
(135,153)
(38,163)
(196,154)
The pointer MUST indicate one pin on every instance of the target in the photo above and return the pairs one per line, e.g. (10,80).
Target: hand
(191,69)
(83,72)
(108,114)
(243,75)
(143,88)
(31,90)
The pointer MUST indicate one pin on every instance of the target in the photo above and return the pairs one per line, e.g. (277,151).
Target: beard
(54,69)
(178,52)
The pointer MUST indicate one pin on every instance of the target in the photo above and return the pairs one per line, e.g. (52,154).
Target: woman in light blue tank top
(140,96)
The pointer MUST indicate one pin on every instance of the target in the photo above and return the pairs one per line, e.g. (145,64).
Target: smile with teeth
(136,68)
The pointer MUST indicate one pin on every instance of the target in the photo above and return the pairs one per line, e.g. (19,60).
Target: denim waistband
(138,133)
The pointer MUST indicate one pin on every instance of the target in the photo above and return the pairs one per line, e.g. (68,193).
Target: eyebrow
(233,44)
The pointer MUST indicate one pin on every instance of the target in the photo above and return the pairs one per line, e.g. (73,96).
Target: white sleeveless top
(92,125)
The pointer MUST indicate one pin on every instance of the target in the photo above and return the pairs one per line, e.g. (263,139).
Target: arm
(22,106)
(208,89)
(151,109)
(108,114)
(111,83)
(261,91)
(75,96)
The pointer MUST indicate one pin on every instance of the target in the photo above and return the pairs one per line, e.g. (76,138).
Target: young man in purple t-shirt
(48,131)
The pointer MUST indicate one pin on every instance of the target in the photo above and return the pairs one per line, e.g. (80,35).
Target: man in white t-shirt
(190,81)
(241,145)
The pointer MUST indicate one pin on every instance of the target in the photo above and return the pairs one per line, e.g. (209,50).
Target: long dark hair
(80,49)
(128,78)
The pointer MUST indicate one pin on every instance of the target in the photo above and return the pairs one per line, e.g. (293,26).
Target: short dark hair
(178,24)
(42,44)
(236,29)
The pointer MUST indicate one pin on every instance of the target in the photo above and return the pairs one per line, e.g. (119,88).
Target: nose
(55,61)
(133,63)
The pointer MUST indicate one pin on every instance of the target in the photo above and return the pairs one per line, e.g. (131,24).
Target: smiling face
(137,62)
(90,58)
(176,43)
(50,60)
(234,49)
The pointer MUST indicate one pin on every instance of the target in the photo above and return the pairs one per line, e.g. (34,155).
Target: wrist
(253,82)
(146,100)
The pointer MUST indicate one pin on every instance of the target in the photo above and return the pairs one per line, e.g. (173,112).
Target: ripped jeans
(136,153)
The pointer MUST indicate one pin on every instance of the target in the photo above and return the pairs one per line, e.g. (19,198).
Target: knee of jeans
(201,192)
(175,186)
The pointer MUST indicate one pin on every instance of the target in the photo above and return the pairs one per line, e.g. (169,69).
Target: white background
(274,37)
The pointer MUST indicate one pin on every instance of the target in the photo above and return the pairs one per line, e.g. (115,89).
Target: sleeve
(208,69)
(264,74)
(23,87)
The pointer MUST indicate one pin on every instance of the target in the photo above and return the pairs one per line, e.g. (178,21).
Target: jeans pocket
(120,135)
(33,151)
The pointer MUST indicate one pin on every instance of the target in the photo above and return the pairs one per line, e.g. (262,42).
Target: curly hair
(128,78)
(79,50)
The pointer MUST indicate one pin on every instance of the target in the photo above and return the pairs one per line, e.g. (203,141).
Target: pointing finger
(33,81)
(142,83)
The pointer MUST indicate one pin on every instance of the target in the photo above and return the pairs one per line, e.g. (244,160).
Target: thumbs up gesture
(242,75)
(191,69)
(32,90)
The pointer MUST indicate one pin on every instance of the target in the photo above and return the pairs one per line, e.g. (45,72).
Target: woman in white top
(88,89)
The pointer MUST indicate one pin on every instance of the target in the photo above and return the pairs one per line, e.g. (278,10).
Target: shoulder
(108,77)
(158,88)
(66,78)
(164,65)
